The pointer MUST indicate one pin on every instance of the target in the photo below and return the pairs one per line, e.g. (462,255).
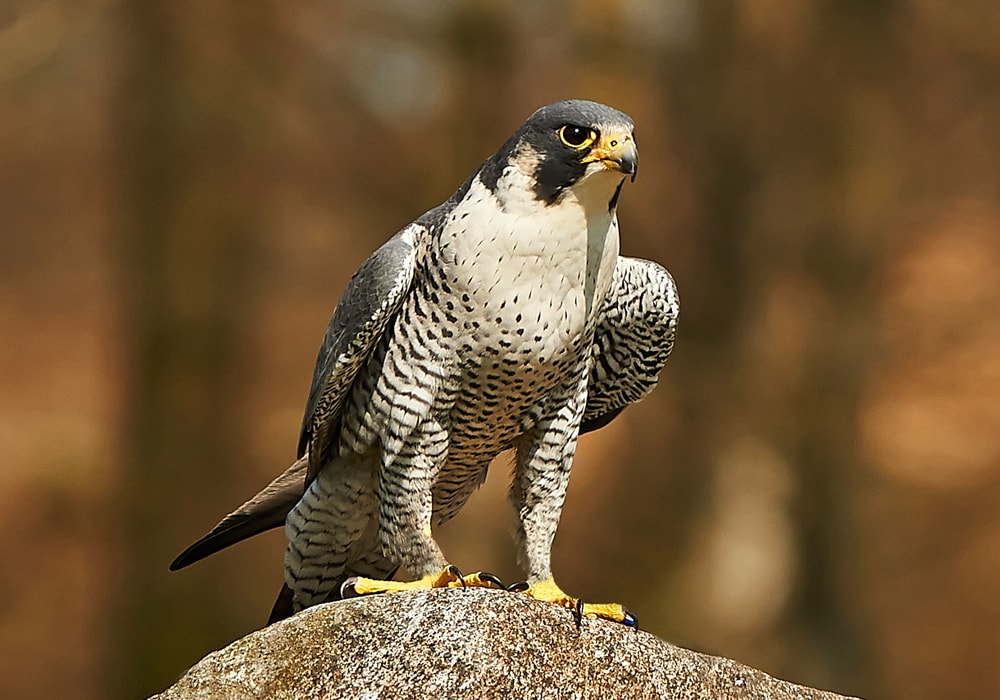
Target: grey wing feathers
(364,311)
(264,511)
(635,334)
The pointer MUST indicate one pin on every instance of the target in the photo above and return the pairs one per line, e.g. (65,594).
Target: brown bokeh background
(186,187)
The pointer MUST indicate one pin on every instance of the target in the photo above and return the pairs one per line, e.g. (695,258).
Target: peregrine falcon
(502,319)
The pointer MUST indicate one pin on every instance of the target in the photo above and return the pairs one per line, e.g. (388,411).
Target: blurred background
(186,187)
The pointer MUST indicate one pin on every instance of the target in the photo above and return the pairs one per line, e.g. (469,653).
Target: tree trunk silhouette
(187,136)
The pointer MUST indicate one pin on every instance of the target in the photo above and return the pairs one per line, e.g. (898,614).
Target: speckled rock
(473,643)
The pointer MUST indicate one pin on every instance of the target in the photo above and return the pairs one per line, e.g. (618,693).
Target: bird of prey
(502,319)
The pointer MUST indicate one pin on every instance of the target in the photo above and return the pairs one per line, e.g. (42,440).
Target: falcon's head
(562,146)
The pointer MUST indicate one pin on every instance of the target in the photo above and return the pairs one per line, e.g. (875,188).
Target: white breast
(541,271)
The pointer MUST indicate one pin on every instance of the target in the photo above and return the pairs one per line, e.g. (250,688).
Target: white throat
(513,240)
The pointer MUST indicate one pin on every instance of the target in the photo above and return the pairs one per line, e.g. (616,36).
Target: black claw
(578,613)
(518,587)
(631,620)
(347,586)
(454,571)
(490,578)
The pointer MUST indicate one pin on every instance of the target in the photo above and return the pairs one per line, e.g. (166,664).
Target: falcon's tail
(264,511)
(282,606)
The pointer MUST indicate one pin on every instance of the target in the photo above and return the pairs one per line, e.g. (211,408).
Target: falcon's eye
(577,137)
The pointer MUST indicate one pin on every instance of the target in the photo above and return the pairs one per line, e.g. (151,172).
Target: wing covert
(634,336)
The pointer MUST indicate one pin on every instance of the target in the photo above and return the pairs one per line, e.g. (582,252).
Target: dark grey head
(563,143)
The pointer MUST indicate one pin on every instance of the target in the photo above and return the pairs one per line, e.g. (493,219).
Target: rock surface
(455,643)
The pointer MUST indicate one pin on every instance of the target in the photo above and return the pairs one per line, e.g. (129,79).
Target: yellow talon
(448,577)
(549,592)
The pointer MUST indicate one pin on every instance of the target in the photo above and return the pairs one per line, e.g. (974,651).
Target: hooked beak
(616,152)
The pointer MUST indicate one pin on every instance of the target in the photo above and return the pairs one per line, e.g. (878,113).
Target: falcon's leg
(327,527)
(405,512)
(538,492)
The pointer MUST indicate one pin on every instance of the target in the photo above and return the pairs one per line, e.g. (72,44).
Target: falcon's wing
(634,336)
(364,311)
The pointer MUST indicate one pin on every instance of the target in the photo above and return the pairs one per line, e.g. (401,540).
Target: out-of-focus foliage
(186,187)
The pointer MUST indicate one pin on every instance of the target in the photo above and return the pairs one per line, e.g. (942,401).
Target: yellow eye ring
(577,137)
